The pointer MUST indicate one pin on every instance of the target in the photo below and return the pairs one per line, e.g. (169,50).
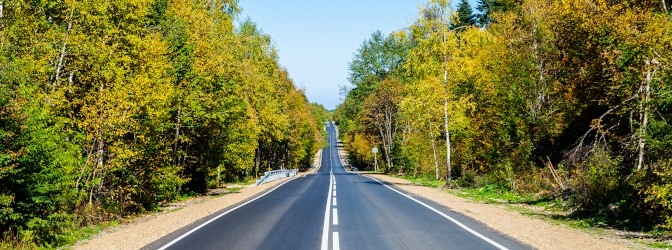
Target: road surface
(335,209)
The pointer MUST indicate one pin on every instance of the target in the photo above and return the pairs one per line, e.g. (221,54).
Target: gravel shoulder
(147,229)
(534,232)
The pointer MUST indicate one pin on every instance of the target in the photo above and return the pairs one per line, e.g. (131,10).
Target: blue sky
(316,39)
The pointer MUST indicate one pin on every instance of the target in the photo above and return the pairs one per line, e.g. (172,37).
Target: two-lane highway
(334,209)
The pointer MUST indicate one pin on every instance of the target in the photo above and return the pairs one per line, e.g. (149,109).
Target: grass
(542,207)
(67,238)
(661,245)
(489,194)
(424,180)
(87,232)
(545,208)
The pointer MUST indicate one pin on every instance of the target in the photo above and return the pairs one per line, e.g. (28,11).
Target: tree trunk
(61,56)
(89,153)
(2,14)
(445,111)
(177,137)
(436,161)
(257,161)
(664,5)
(445,120)
(383,135)
(644,109)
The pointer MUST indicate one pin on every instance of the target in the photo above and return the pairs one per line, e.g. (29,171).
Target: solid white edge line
(325,228)
(336,244)
(335,216)
(492,242)
(218,216)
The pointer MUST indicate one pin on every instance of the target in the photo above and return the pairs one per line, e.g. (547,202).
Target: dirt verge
(147,229)
(534,232)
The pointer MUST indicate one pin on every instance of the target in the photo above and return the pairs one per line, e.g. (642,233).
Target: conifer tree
(465,15)
(483,18)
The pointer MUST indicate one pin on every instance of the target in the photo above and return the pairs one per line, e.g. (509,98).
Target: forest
(564,100)
(109,109)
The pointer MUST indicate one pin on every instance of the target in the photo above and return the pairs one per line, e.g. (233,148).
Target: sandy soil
(147,229)
(535,232)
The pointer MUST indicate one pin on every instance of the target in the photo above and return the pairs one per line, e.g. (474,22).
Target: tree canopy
(567,98)
(109,109)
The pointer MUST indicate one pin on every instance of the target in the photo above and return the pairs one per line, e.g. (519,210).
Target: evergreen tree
(465,15)
(483,18)
(487,7)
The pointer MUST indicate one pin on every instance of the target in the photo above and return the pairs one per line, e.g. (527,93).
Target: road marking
(492,242)
(325,228)
(335,216)
(334,192)
(333,201)
(336,244)
(219,216)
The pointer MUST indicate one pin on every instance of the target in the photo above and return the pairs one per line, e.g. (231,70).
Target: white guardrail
(276,174)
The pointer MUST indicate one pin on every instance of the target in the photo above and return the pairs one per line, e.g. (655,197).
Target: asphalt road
(335,209)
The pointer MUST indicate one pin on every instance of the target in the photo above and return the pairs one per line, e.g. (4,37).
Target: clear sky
(316,39)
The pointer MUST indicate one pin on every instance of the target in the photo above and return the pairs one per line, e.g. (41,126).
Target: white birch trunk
(61,56)
(664,5)
(644,108)
(2,14)
(445,110)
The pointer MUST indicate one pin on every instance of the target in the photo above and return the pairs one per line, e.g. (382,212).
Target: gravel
(147,229)
(534,232)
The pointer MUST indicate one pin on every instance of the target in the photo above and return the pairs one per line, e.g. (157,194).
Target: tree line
(111,108)
(567,100)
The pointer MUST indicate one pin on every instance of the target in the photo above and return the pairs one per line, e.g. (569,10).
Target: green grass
(551,210)
(661,245)
(66,238)
(490,194)
(424,180)
(87,232)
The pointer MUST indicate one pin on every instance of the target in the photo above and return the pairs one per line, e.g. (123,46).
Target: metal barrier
(276,174)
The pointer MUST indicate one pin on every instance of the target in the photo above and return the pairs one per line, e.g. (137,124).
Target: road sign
(375,151)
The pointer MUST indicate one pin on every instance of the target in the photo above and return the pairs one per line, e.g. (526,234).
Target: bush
(659,194)
(596,182)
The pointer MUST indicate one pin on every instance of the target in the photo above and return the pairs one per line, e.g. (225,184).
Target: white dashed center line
(336,245)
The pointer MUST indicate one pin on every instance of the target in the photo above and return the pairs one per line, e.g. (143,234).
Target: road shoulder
(534,232)
(149,228)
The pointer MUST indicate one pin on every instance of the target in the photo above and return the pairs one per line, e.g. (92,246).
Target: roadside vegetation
(563,105)
(548,208)
(109,109)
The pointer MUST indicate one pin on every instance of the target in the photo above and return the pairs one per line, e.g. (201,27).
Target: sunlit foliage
(112,108)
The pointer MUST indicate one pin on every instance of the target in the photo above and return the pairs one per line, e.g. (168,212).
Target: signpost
(375,151)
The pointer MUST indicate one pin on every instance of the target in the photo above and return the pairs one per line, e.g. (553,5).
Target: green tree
(110,109)
(488,8)
(379,58)
(465,15)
